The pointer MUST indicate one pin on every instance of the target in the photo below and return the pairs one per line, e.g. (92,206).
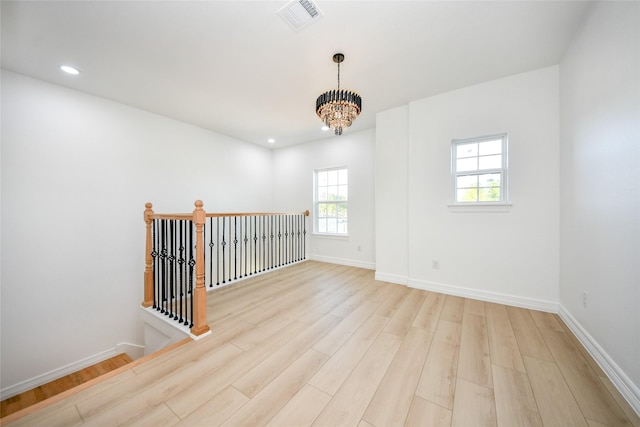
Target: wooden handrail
(219,215)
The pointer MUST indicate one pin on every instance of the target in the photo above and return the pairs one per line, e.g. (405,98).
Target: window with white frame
(479,170)
(330,201)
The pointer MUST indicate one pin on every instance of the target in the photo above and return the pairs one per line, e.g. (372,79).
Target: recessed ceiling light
(69,70)
(271,140)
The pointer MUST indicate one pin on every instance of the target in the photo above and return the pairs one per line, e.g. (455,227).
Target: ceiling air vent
(300,13)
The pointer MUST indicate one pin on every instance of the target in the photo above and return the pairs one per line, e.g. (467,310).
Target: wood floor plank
(595,402)
(545,320)
(126,408)
(503,345)
(158,416)
(474,362)
(349,403)
(392,400)
(216,410)
(425,413)
(270,400)
(266,371)
(515,404)
(427,317)
(555,402)
(473,306)
(302,409)
(393,302)
(452,309)
(210,385)
(473,406)
(438,378)
(624,405)
(403,318)
(332,341)
(530,341)
(341,364)
(67,416)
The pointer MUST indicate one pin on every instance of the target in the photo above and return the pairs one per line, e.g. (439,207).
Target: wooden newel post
(148,260)
(200,325)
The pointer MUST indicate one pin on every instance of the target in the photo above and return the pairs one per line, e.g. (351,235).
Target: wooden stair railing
(170,249)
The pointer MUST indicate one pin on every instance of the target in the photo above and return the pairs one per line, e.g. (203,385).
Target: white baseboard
(343,261)
(69,369)
(392,278)
(499,298)
(620,380)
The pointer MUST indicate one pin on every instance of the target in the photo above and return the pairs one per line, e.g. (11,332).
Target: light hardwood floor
(319,344)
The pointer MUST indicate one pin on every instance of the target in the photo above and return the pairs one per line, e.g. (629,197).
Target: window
(479,170)
(331,194)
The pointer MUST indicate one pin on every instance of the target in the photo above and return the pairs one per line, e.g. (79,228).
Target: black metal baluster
(246,240)
(230,248)
(299,234)
(192,262)
(279,240)
(218,251)
(181,262)
(272,248)
(211,245)
(286,240)
(255,244)
(163,257)
(224,245)
(304,237)
(172,257)
(235,248)
(264,244)
(154,257)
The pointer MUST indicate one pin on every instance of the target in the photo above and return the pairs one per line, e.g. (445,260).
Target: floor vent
(300,13)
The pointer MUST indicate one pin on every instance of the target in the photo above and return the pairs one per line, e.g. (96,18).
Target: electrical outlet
(435,264)
(585,296)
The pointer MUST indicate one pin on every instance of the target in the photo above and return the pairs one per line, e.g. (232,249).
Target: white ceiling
(237,68)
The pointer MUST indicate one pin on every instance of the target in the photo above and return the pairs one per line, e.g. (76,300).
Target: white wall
(600,188)
(392,199)
(293,169)
(511,256)
(76,173)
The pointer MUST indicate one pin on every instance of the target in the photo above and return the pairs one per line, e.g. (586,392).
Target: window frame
(316,203)
(503,170)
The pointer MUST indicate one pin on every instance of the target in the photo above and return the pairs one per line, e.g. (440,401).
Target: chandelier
(338,108)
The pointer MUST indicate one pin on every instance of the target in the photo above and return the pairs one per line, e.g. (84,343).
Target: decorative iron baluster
(218,251)
(246,240)
(163,257)
(154,257)
(264,244)
(271,247)
(255,244)
(181,261)
(172,271)
(304,237)
(230,248)
(286,239)
(224,246)
(211,245)
(192,263)
(235,248)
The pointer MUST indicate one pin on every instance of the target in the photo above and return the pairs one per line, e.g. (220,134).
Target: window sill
(480,207)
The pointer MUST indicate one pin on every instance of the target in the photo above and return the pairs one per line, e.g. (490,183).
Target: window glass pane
(322,225)
(332,177)
(322,179)
(490,194)
(467,181)
(490,147)
(489,180)
(466,150)
(467,195)
(491,162)
(463,165)
(322,210)
(342,192)
(331,209)
(342,226)
(342,177)
(332,192)
(332,225)
(341,210)
(322,194)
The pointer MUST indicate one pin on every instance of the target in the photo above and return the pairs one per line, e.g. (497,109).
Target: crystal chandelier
(338,108)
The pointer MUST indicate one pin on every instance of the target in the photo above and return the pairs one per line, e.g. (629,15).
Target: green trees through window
(331,196)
